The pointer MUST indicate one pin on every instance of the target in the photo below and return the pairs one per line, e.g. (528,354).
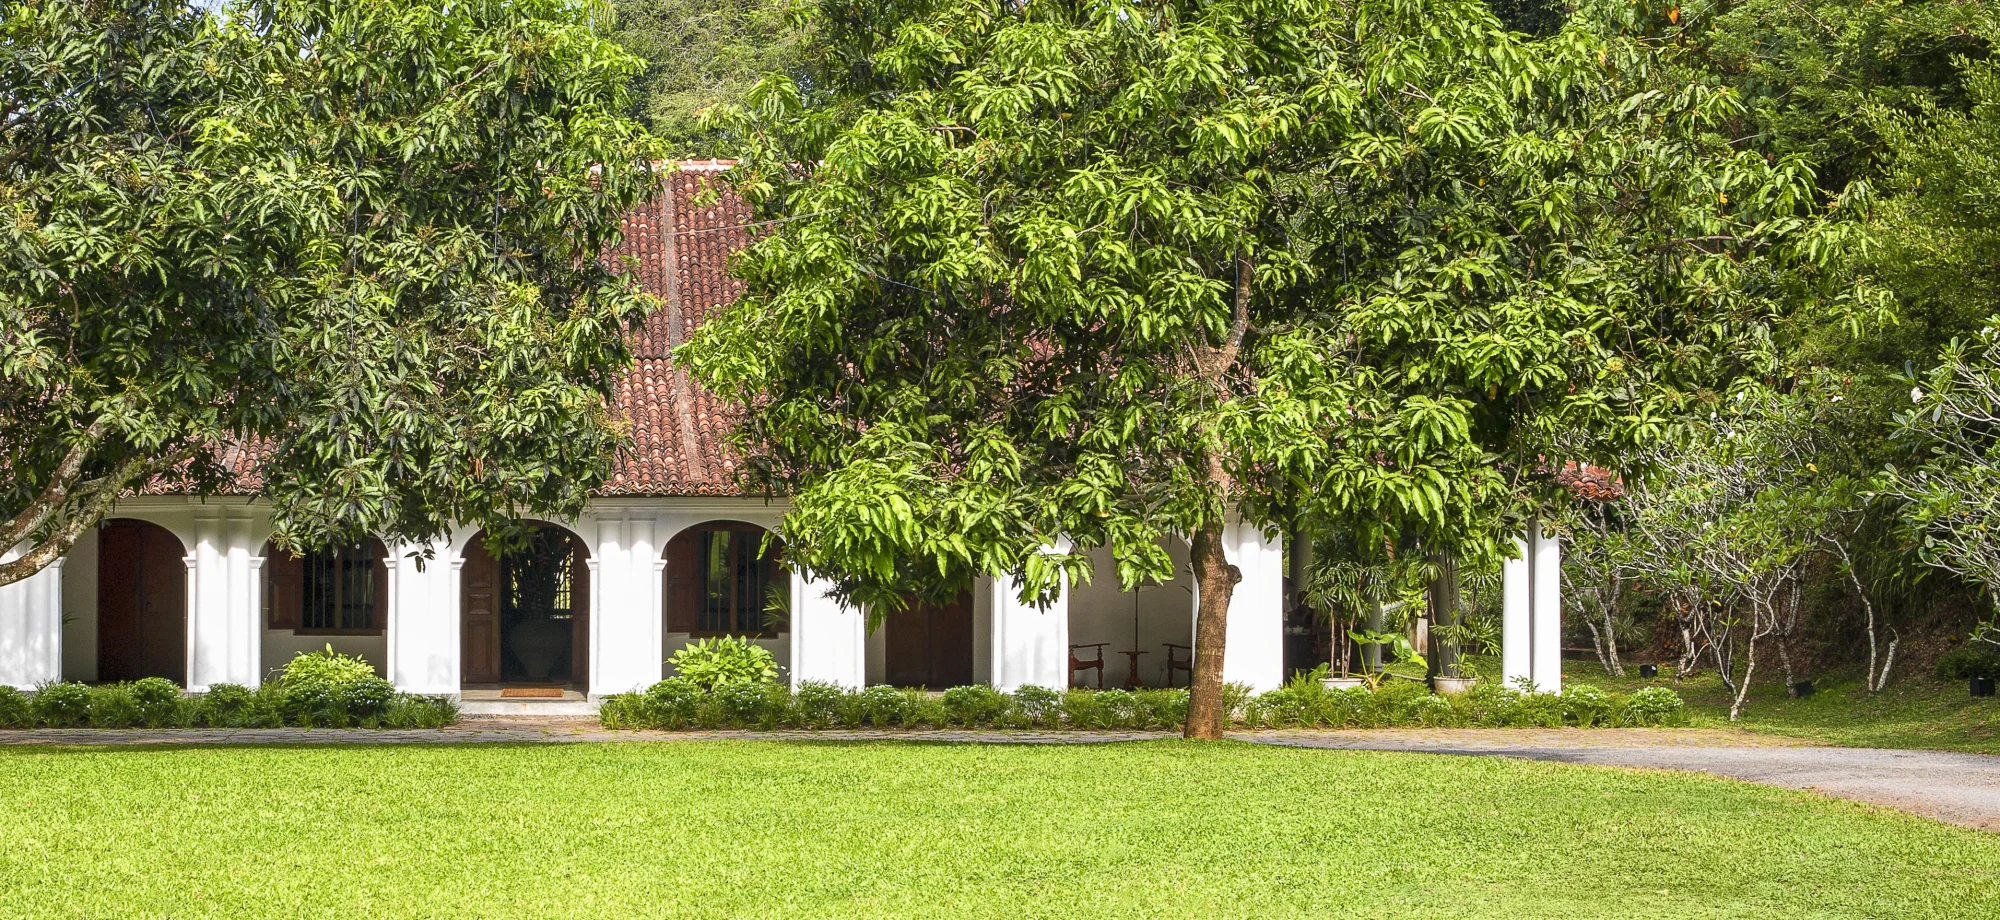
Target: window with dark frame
(339,590)
(736,573)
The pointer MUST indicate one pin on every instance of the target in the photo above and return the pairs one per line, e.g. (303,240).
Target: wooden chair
(1080,664)
(1179,663)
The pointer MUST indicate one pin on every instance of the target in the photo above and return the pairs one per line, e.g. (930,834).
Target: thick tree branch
(56,494)
(92,500)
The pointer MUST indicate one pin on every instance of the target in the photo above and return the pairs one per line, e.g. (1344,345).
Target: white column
(1531,612)
(1030,644)
(225,601)
(625,626)
(31,628)
(1547,667)
(829,638)
(1517,604)
(1254,651)
(423,619)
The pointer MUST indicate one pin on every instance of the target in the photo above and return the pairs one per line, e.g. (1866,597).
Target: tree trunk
(1444,617)
(1371,653)
(1617,591)
(1215,581)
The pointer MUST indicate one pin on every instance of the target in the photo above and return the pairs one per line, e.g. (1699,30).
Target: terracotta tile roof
(682,245)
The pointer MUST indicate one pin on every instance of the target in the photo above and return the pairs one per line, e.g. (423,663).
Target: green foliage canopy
(359,239)
(1102,271)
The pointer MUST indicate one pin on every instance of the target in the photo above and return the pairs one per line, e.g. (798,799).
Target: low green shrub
(1652,706)
(14,709)
(719,661)
(59,705)
(976,704)
(1973,659)
(677,703)
(317,689)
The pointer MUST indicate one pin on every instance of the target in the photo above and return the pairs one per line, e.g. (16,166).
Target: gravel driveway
(1959,788)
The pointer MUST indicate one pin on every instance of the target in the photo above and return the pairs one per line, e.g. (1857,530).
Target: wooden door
(930,646)
(141,603)
(479,628)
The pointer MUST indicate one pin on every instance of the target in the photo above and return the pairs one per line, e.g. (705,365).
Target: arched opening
(526,613)
(141,602)
(1143,637)
(337,596)
(727,578)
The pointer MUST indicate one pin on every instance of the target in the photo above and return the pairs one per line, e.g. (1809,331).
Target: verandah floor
(744,829)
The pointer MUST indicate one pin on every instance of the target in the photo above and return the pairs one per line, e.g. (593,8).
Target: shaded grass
(900,830)
(1914,711)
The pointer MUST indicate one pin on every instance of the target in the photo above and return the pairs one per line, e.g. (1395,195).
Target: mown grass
(902,830)
(1914,711)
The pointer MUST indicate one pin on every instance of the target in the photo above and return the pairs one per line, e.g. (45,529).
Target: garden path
(1959,788)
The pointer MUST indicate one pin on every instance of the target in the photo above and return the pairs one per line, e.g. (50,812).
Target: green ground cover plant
(315,690)
(907,830)
(1914,711)
(681,703)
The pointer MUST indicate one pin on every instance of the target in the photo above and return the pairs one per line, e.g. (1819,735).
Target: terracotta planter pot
(1452,686)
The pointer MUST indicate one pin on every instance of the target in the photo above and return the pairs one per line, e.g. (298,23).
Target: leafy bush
(818,704)
(723,660)
(159,703)
(679,703)
(224,705)
(883,706)
(325,667)
(14,709)
(112,706)
(1973,659)
(1039,706)
(976,704)
(1585,705)
(409,710)
(1653,706)
(60,705)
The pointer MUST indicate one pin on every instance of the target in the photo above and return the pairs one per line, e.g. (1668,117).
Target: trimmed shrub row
(677,703)
(158,703)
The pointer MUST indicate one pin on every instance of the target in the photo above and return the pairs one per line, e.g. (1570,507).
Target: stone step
(527,707)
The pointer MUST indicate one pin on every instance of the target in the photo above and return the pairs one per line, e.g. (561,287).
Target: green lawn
(1914,711)
(899,830)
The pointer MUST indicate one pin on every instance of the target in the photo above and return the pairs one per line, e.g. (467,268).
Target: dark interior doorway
(930,645)
(527,613)
(141,603)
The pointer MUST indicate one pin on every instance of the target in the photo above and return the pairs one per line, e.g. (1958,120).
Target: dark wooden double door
(489,613)
(141,603)
(929,645)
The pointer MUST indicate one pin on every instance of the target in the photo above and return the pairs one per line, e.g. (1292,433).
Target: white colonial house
(188,587)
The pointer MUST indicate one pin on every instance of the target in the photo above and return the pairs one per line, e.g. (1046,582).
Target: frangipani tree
(1111,271)
(359,239)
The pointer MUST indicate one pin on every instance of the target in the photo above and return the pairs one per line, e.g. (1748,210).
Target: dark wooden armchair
(1183,662)
(1085,664)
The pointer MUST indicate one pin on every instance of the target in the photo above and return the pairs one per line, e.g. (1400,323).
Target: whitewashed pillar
(625,651)
(423,619)
(829,638)
(1531,612)
(225,601)
(31,628)
(1254,649)
(1030,644)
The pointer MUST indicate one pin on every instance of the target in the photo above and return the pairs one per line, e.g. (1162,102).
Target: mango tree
(1039,277)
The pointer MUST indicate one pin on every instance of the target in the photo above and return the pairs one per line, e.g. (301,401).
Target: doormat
(533,693)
